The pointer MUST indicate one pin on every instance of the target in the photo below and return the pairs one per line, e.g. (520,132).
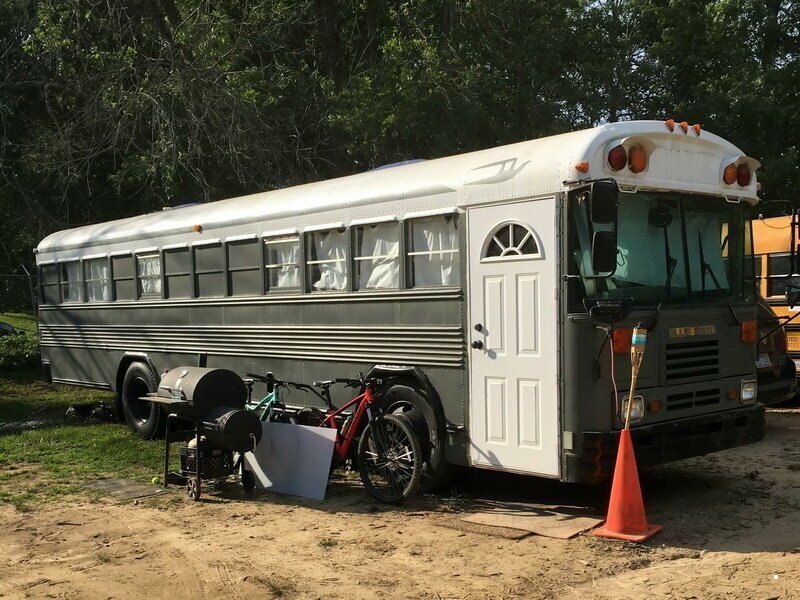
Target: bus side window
(244,272)
(148,274)
(327,260)
(209,269)
(124,281)
(177,273)
(282,263)
(69,276)
(377,256)
(433,252)
(96,279)
(48,276)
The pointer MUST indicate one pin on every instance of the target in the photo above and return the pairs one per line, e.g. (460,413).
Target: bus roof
(677,161)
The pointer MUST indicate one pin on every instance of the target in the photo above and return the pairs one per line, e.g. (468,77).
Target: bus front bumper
(665,442)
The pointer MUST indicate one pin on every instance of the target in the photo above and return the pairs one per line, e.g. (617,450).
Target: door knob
(477,344)
(478,327)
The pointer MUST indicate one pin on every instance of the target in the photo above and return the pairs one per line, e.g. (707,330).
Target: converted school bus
(489,281)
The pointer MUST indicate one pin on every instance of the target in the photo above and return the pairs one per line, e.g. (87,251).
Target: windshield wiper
(706,268)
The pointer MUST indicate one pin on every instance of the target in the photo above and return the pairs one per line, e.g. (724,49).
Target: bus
(499,286)
(772,245)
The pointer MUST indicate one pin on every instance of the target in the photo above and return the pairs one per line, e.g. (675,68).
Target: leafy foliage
(110,108)
(19,352)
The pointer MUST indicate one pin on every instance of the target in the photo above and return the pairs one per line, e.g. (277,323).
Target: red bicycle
(388,455)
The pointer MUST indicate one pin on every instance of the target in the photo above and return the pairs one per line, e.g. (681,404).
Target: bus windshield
(672,249)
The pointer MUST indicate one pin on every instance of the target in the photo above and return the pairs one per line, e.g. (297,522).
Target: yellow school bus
(772,245)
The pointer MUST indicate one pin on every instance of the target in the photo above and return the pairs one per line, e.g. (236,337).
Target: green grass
(22,321)
(47,464)
(22,394)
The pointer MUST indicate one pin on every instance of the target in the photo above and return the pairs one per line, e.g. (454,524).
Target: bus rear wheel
(143,417)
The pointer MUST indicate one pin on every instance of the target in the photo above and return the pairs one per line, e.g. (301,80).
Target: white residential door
(513,337)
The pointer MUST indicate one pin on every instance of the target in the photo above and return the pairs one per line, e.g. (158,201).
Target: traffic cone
(626,519)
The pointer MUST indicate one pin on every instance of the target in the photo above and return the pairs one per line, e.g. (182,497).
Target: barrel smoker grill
(213,400)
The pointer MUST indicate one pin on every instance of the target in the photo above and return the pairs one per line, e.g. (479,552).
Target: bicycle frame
(344,442)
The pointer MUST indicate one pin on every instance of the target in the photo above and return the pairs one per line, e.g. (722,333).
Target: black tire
(389,459)
(145,418)
(248,481)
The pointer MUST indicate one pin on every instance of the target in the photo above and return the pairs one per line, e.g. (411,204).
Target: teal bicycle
(271,408)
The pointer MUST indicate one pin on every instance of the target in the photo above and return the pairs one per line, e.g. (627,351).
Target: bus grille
(685,400)
(691,360)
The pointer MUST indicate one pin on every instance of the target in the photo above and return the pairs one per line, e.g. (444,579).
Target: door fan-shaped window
(511,240)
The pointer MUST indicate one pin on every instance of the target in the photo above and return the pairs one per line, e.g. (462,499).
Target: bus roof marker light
(684,126)
(670,123)
(729,175)
(743,174)
(637,159)
(697,128)
(617,158)
(582,166)
(197,228)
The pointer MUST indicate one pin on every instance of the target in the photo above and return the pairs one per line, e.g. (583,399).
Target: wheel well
(126,361)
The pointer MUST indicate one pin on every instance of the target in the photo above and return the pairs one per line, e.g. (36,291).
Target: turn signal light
(197,228)
(583,167)
(617,158)
(621,340)
(749,332)
(637,159)
(730,174)
(743,175)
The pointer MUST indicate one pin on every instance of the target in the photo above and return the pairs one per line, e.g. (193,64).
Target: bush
(19,352)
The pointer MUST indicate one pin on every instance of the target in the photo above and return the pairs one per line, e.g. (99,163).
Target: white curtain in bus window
(96,276)
(283,257)
(434,251)
(377,262)
(70,278)
(328,264)
(148,269)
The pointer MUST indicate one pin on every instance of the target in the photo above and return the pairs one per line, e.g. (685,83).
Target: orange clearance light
(197,228)
(654,405)
(730,174)
(748,332)
(617,158)
(743,175)
(732,393)
(697,129)
(684,126)
(670,123)
(621,340)
(637,159)
(583,167)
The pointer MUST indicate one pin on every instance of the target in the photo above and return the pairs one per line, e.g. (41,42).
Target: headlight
(749,390)
(637,409)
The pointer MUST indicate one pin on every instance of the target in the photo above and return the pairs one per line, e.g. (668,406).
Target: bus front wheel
(142,416)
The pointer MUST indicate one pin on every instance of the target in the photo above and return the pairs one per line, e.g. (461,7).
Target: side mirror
(792,295)
(603,202)
(604,252)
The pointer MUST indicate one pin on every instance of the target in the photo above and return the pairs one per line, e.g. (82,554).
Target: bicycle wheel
(389,459)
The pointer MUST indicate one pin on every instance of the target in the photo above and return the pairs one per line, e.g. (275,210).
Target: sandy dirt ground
(731,530)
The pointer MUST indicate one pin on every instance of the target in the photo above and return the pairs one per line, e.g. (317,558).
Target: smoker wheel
(193,490)
(248,481)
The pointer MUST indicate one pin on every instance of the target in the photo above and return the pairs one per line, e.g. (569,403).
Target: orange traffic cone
(626,519)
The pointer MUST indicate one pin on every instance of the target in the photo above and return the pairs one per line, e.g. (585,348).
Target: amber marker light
(670,123)
(637,159)
(684,126)
(617,158)
(743,175)
(729,175)
(697,129)
(654,405)
(583,167)
(748,332)
(197,228)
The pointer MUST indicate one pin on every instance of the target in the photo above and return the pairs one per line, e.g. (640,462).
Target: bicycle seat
(324,384)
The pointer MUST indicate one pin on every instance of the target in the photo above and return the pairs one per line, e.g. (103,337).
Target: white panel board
(494,294)
(496,410)
(293,459)
(527,315)
(529,410)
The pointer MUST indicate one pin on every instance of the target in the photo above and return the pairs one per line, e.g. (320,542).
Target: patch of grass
(22,394)
(66,457)
(327,543)
(20,321)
